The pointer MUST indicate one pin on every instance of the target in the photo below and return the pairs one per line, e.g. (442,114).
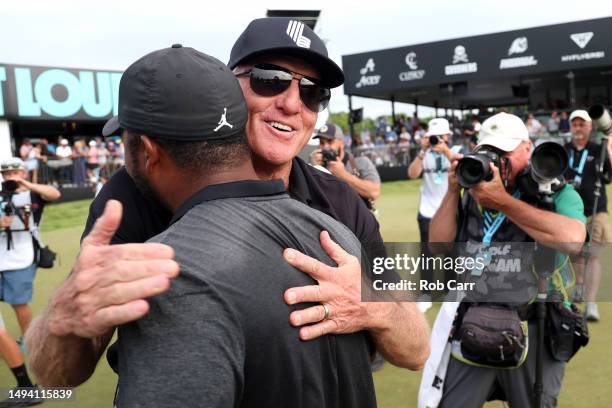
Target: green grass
(586,379)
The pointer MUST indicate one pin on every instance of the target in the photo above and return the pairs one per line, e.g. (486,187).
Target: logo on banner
(368,80)
(295,30)
(461,63)
(415,72)
(518,46)
(582,40)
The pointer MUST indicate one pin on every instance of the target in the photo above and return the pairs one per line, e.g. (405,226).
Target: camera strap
(580,168)
(490,225)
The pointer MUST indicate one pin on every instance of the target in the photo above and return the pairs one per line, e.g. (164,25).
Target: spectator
(79,152)
(404,137)
(64,151)
(93,164)
(432,163)
(534,127)
(358,172)
(19,230)
(553,124)
(564,123)
(390,136)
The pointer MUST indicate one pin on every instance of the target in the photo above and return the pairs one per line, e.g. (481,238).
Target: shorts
(16,285)
(601,229)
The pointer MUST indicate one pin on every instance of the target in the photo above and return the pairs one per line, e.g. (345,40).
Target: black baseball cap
(285,36)
(181,94)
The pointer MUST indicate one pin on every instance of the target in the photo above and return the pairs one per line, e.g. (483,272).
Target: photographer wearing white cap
(432,162)
(584,159)
(21,206)
(461,371)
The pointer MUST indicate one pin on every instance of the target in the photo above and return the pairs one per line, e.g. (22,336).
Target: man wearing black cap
(218,336)
(358,172)
(267,57)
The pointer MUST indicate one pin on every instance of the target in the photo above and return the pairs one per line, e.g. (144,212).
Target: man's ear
(151,152)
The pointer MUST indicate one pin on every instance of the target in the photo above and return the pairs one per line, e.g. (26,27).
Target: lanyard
(491,226)
(583,159)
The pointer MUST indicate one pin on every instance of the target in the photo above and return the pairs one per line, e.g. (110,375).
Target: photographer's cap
(181,94)
(11,164)
(329,131)
(580,113)
(438,127)
(284,36)
(503,131)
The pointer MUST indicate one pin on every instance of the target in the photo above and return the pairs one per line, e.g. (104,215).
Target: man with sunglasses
(286,76)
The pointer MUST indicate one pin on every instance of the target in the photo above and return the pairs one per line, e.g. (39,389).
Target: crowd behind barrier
(80,163)
(397,145)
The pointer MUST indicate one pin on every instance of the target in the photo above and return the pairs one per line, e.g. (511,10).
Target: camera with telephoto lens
(433,140)
(600,115)
(328,155)
(476,167)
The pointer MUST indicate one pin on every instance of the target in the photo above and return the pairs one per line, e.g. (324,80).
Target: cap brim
(323,137)
(504,144)
(111,127)
(331,74)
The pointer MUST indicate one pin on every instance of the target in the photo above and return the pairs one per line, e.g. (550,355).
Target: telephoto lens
(601,117)
(433,140)
(548,161)
(9,186)
(476,167)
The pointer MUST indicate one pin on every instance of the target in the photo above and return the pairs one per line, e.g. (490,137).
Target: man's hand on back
(109,284)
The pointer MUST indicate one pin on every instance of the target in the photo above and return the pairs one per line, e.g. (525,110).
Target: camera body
(328,155)
(476,167)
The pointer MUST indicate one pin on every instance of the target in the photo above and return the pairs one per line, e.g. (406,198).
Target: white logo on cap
(519,46)
(295,30)
(223,121)
(582,39)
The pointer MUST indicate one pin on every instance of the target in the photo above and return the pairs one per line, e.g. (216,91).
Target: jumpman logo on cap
(223,121)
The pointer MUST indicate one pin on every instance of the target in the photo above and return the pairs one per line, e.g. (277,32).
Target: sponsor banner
(582,44)
(43,93)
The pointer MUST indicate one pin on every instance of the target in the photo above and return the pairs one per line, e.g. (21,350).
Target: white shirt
(22,253)
(435,181)
(63,152)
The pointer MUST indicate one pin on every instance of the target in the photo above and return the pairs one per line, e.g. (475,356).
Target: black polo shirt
(589,175)
(220,336)
(143,219)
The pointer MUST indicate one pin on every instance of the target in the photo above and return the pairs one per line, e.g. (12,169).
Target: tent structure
(558,66)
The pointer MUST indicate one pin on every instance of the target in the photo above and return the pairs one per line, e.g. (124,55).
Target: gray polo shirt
(220,336)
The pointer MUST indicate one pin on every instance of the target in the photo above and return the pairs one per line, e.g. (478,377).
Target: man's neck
(580,144)
(267,171)
(178,195)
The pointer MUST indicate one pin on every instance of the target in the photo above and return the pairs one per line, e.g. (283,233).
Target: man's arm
(369,189)
(416,167)
(399,330)
(555,230)
(47,193)
(107,287)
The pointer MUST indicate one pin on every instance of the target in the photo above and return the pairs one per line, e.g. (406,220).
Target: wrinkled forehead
(291,63)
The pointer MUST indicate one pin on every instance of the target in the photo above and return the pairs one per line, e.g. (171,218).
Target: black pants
(428,273)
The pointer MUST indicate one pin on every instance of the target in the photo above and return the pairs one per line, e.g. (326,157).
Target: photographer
(21,207)
(462,217)
(584,159)
(432,162)
(358,172)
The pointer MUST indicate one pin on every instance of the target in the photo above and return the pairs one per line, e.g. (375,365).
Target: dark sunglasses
(272,80)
